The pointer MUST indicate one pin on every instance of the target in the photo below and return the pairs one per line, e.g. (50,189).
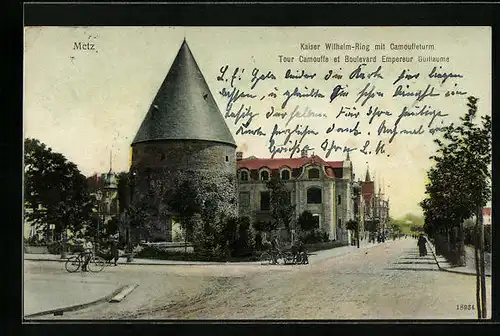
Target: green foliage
(313,236)
(372,225)
(54,248)
(282,210)
(55,192)
(263,226)
(123,191)
(307,221)
(112,226)
(351,225)
(459,180)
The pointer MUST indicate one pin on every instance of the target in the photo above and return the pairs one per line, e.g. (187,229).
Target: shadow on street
(423,262)
(412,269)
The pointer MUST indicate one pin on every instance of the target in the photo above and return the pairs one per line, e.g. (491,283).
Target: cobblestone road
(388,281)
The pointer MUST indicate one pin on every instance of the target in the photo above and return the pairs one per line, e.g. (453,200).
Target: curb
(60,311)
(123,293)
(200,263)
(451,270)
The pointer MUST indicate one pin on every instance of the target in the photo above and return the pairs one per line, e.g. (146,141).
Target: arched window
(313,173)
(285,174)
(264,175)
(314,195)
(244,175)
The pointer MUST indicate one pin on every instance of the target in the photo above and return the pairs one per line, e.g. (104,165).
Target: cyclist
(87,254)
(298,251)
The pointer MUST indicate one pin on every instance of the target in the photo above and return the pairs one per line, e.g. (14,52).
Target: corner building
(182,137)
(319,186)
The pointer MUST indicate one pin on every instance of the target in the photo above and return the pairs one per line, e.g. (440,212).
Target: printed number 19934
(465,307)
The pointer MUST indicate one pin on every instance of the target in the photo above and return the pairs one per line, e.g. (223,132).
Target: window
(244,199)
(264,175)
(339,221)
(227,158)
(314,195)
(339,200)
(264,200)
(313,173)
(316,221)
(244,175)
(285,174)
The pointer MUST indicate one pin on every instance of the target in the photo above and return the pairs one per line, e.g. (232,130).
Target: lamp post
(356,190)
(99,198)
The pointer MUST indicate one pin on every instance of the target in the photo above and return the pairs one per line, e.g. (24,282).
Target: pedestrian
(87,254)
(274,248)
(114,250)
(421,245)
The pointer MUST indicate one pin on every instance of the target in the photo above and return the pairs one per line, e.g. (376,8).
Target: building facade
(319,186)
(375,206)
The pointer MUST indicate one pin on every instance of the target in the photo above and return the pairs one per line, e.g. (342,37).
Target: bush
(54,248)
(34,241)
(313,236)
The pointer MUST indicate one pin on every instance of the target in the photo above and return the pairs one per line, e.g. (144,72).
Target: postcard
(257,173)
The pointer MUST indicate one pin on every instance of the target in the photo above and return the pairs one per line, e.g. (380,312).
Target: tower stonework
(182,137)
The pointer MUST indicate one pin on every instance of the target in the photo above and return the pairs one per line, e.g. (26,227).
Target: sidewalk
(50,289)
(468,269)
(313,257)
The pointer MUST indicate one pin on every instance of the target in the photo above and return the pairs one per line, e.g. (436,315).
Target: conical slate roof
(184,108)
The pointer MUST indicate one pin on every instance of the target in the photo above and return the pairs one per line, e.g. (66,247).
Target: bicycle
(266,258)
(95,264)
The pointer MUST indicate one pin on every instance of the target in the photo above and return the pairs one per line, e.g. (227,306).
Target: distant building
(319,186)
(487,216)
(105,187)
(375,206)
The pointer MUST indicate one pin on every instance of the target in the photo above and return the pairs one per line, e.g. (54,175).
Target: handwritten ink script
(340,103)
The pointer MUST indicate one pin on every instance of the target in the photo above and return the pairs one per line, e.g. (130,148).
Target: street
(386,281)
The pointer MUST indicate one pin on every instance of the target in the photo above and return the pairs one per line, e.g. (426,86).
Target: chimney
(239,156)
(303,153)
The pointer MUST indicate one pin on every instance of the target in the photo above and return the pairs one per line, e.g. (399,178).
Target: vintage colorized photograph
(257,173)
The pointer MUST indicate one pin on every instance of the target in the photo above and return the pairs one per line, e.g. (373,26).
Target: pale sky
(85,103)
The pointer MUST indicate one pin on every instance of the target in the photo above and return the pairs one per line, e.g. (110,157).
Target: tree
(186,202)
(282,210)
(123,191)
(459,182)
(306,221)
(55,192)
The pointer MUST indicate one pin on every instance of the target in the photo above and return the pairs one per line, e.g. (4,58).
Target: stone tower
(182,137)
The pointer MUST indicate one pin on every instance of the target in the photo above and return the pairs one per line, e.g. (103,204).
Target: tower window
(339,200)
(313,173)
(227,158)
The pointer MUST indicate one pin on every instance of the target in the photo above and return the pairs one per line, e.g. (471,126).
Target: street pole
(481,264)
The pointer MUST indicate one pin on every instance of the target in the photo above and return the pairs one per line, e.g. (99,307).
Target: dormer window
(285,174)
(264,175)
(244,175)
(313,173)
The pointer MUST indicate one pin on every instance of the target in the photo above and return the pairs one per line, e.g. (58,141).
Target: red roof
(335,164)
(487,212)
(290,163)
